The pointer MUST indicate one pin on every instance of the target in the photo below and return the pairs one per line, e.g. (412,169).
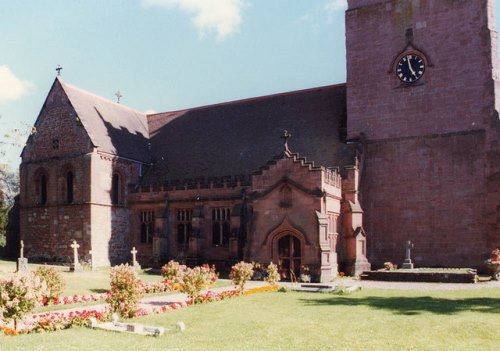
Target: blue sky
(164,55)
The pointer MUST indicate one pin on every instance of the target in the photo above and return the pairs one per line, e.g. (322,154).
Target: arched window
(42,191)
(115,189)
(69,187)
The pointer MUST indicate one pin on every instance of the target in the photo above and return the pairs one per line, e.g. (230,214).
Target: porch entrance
(289,257)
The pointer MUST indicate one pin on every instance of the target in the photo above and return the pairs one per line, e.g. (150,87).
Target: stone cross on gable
(21,251)
(285,136)
(119,95)
(58,69)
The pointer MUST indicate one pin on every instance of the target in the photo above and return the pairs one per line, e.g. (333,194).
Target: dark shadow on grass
(99,291)
(414,305)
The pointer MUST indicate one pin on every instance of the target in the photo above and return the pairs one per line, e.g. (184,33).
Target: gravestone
(92,265)
(22,262)
(407,264)
(135,264)
(134,328)
(75,266)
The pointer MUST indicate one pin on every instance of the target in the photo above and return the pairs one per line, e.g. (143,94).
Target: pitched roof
(113,128)
(239,137)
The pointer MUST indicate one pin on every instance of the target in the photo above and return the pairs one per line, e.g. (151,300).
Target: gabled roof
(113,128)
(239,137)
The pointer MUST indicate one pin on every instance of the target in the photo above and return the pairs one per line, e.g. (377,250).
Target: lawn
(366,320)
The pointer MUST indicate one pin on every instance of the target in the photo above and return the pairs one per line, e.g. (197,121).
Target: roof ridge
(257,98)
(64,84)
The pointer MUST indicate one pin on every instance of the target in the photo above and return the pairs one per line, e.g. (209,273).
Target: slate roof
(237,138)
(113,128)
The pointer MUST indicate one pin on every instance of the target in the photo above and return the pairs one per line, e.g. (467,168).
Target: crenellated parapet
(224,182)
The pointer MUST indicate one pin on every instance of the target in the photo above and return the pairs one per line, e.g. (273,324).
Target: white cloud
(223,16)
(336,5)
(11,87)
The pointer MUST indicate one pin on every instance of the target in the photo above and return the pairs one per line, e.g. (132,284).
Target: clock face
(410,68)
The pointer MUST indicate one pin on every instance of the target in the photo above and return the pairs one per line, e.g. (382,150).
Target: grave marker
(75,266)
(134,261)
(22,262)
(407,264)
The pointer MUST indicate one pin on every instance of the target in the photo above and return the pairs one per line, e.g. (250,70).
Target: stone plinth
(22,265)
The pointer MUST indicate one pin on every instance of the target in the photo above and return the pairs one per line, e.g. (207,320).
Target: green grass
(366,320)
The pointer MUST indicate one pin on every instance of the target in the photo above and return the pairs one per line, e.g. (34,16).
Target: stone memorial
(134,328)
(135,264)
(22,262)
(407,264)
(92,265)
(75,266)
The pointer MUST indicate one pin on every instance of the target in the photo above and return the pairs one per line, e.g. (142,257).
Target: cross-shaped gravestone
(134,261)
(75,267)
(22,262)
(407,264)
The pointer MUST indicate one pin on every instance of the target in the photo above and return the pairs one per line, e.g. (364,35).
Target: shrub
(273,276)
(54,282)
(195,279)
(241,272)
(173,272)
(20,294)
(125,290)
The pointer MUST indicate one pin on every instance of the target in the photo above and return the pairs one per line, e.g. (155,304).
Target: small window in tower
(69,187)
(220,226)
(43,190)
(147,226)
(55,144)
(115,189)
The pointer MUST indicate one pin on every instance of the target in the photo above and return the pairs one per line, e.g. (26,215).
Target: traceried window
(147,226)
(69,187)
(220,226)
(184,226)
(115,189)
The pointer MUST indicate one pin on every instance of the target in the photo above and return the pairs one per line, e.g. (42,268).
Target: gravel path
(372,284)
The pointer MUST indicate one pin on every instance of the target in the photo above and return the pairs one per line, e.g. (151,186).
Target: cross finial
(409,35)
(58,69)
(285,136)
(118,95)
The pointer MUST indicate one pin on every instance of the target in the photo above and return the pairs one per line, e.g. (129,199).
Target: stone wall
(431,164)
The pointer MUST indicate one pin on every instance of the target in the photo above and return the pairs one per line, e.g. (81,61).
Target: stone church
(336,178)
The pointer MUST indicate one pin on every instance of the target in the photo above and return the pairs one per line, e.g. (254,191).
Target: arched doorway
(289,257)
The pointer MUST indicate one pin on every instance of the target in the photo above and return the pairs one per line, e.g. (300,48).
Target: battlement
(230,182)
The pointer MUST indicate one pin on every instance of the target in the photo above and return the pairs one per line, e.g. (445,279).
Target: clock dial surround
(410,68)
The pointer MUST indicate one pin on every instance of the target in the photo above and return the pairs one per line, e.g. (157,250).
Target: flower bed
(68,300)
(267,288)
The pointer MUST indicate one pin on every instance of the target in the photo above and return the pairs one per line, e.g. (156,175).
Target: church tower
(422,77)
